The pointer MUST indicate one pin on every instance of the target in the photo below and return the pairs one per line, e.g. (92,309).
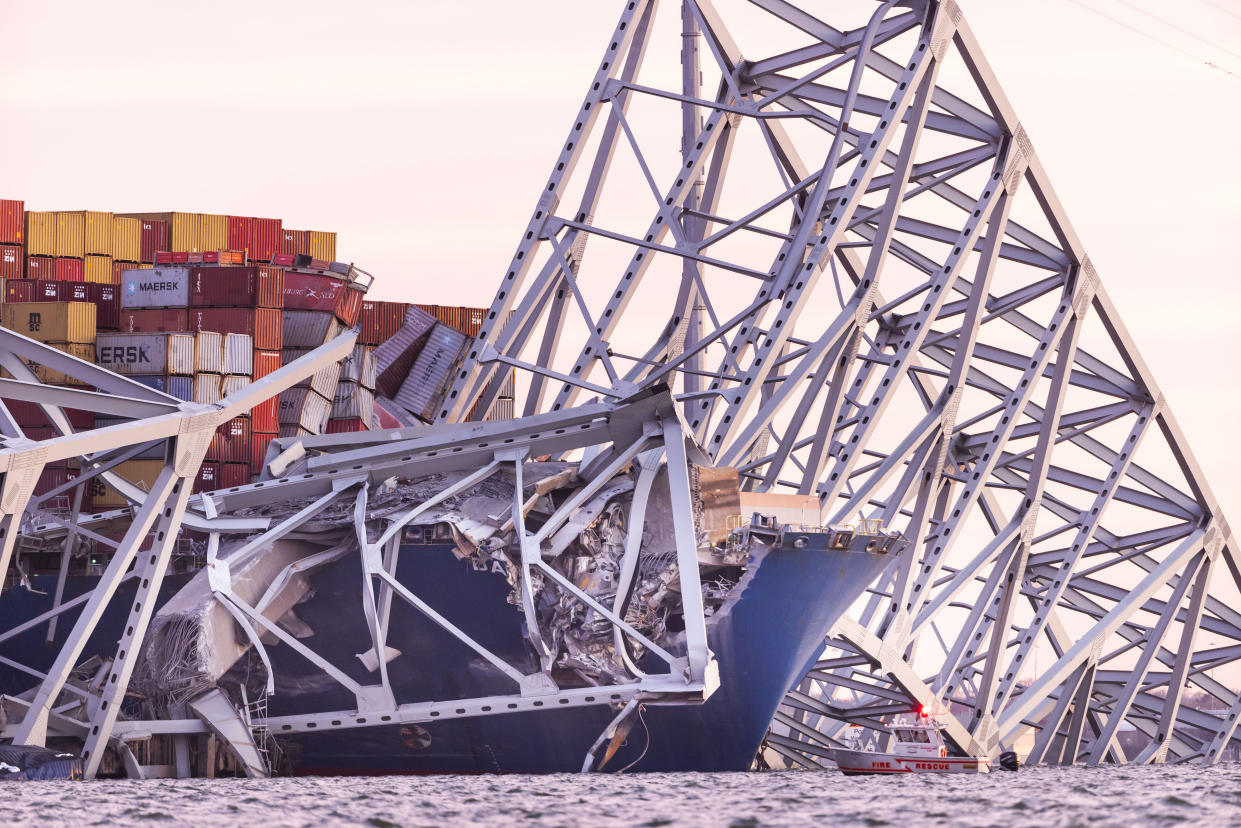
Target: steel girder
(860,284)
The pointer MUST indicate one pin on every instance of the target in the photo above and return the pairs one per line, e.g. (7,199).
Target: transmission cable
(1160,41)
(1226,11)
(1180,29)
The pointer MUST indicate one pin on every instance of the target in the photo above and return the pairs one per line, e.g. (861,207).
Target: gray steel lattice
(861,285)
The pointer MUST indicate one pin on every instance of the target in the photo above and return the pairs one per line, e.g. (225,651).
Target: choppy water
(1120,796)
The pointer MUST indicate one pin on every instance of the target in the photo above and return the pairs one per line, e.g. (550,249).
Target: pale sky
(423,131)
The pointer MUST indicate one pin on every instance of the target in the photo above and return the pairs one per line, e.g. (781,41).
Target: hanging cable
(1161,42)
(1226,11)
(1180,29)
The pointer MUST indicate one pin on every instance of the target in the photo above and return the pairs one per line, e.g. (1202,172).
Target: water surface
(1114,796)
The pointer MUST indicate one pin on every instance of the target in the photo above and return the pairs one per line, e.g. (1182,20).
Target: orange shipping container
(126,239)
(40,234)
(99,269)
(120,267)
(72,322)
(323,245)
(71,235)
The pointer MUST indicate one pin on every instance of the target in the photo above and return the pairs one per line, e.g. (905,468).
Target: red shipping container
(107,299)
(40,267)
(344,426)
(391,318)
(239,230)
(265,239)
(234,474)
(19,290)
(208,478)
(211,257)
(265,417)
(264,326)
(350,306)
(12,262)
(283,259)
(154,237)
(70,270)
(12,221)
(172,320)
(231,443)
(259,286)
(258,450)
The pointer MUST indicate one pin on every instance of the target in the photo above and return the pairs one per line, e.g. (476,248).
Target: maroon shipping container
(107,299)
(235,474)
(344,426)
(208,479)
(263,325)
(310,291)
(40,267)
(54,476)
(70,270)
(12,262)
(260,286)
(283,259)
(19,290)
(28,414)
(12,221)
(296,242)
(265,239)
(239,230)
(369,333)
(154,237)
(231,443)
(172,320)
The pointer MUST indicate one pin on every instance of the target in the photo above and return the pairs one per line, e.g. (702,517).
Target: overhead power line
(1180,29)
(1160,41)
(1224,9)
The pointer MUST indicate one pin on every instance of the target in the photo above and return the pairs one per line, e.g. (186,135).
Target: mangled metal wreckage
(488,596)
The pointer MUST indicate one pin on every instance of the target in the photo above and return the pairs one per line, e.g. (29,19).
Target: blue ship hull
(764,640)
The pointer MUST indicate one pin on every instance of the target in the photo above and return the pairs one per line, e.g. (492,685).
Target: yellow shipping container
(98,233)
(71,234)
(212,232)
(323,245)
(142,473)
(51,376)
(40,234)
(126,239)
(72,322)
(183,232)
(99,269)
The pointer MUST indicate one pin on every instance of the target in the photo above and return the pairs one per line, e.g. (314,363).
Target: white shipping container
(322,382)
(210,357)
(207,388)
(231,385)
(294,431)
(353,401)
(238,354)
(424,388)
(309,329)
(145,353)
(155,287)
(360,367)
(303,408)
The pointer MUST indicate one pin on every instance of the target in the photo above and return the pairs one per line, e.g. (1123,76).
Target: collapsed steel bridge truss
(316,474)
(860,288)
(859,282)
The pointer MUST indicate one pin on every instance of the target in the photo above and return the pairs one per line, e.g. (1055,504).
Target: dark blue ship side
(772,625)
